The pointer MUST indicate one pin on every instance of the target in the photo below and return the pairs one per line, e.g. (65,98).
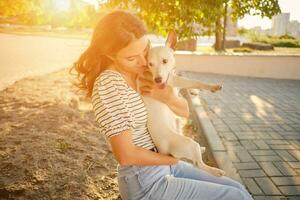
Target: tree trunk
(218,35)
(224,26)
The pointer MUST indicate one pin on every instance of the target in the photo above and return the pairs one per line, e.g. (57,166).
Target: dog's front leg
(183,82)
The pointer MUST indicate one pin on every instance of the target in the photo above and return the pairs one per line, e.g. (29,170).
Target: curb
(203,122)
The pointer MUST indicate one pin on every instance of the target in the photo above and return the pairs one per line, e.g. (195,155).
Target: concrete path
(257,122)
(22,56)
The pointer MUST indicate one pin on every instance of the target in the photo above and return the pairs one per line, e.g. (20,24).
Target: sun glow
(62,5)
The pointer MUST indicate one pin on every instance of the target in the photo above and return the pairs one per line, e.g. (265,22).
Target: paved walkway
(258,121)
(28,55)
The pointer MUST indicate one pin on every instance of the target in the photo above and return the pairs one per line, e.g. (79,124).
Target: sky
(287,6)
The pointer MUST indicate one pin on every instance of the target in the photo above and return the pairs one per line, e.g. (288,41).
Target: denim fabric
(181,181)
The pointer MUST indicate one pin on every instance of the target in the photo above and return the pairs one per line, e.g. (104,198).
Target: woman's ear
(171,40)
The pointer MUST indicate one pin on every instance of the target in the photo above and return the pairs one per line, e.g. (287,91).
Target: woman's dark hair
(112,33)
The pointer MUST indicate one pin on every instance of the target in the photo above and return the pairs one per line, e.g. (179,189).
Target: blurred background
(203,26)
(201,23)
(50,145)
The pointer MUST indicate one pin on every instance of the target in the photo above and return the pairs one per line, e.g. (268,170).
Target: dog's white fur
(163,124)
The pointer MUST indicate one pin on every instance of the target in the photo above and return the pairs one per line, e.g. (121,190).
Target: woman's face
(132,58)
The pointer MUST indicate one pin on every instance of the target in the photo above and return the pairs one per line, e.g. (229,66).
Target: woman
(108,71)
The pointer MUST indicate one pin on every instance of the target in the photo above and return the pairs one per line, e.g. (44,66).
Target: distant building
(258,29)
(280,24)
(231,26)
(293,28)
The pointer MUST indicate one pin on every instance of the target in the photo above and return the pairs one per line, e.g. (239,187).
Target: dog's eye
(165,61)
(150,64)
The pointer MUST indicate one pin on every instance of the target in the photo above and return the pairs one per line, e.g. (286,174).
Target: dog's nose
(158,80)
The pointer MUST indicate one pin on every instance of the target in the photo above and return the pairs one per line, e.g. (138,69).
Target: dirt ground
(50,146)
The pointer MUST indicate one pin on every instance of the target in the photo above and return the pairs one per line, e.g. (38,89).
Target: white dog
(162,122)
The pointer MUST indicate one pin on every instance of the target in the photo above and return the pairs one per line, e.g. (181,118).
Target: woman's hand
(166,95)
(149,88)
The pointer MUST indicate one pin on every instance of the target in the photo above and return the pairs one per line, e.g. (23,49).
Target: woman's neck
(129,77)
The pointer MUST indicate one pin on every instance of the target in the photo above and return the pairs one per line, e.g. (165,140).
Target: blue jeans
(181,181)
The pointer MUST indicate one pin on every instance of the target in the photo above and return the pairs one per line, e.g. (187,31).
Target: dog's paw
(216,88)
(202,149)
(217,172)
(194,92)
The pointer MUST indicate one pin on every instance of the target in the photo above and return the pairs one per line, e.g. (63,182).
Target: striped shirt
(118,107)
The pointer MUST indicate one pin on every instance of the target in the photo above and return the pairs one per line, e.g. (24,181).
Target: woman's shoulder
(109,78)
(107,73)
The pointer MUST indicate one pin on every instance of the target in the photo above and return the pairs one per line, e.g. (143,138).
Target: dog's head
(161,60)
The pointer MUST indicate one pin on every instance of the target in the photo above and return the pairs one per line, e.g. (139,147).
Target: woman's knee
(238,194)
(238,185)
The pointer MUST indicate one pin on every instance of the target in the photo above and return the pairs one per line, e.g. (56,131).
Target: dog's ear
(172,40)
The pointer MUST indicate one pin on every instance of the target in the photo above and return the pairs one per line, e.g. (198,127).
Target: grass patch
(242,50)
(276,51)
(62,146)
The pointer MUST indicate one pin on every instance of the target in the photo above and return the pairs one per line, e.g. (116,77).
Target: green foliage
(75,18)
(15,7)
(28,11)
(256,37)
(161,16)
(181,15)
(36,12)
(286,43)
(286,36)
(264,8)
(242,31)
(242,50)
(282,41)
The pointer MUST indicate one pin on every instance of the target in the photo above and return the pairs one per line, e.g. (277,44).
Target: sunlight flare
(62,5)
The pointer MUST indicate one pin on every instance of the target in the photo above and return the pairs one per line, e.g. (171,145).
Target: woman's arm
(142,156)
(126,153)
(177,104)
